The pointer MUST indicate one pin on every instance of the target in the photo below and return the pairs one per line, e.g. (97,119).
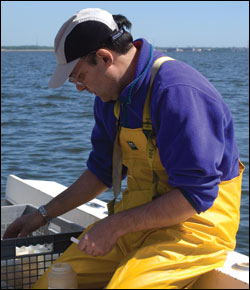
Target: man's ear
(105,56)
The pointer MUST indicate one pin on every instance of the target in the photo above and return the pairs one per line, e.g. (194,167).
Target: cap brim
(62,73)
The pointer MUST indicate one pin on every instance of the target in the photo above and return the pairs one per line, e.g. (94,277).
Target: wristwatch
(43,212)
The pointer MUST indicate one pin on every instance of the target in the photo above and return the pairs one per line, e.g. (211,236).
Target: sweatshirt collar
(142,66)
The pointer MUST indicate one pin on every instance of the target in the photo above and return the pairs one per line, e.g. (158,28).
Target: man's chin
(107,99)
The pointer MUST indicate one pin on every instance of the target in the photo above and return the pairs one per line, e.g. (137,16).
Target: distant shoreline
(27,50)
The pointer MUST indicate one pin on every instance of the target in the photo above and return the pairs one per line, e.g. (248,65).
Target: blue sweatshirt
(193,126)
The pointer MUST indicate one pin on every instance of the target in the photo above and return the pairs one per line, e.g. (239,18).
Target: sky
(163,23)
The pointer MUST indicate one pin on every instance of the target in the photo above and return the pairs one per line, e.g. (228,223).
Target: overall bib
(166,258)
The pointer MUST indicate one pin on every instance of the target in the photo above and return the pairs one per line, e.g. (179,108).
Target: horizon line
(156,46)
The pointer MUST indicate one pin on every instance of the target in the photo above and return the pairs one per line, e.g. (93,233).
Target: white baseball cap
(83,33)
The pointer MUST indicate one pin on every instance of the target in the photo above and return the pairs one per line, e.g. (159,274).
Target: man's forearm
(167,210)
(84,189)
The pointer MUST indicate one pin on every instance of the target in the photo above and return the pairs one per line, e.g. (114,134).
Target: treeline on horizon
(27,47)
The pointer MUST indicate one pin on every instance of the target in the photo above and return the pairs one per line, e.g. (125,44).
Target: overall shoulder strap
(147,123)
(147,126)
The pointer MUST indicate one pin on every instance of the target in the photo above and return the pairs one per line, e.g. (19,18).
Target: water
(46,133)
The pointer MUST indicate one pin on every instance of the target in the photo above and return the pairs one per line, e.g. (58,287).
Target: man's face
(98,79)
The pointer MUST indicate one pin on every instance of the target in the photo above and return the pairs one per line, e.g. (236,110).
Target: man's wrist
(118,222)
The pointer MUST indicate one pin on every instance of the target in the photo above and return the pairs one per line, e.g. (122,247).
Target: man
(164,126)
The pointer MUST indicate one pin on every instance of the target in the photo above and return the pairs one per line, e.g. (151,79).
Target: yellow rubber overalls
(166,258)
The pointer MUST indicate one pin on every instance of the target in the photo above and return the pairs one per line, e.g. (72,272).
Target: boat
(233,275)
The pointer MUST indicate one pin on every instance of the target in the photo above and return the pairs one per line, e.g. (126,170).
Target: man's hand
(24,225)
(100,239)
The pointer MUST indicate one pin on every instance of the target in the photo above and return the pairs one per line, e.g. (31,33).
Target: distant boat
(179,49)
(197,49)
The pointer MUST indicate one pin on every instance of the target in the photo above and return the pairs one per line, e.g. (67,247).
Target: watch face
(43,212)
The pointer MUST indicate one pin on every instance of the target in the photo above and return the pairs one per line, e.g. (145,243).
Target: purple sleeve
(191,141)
